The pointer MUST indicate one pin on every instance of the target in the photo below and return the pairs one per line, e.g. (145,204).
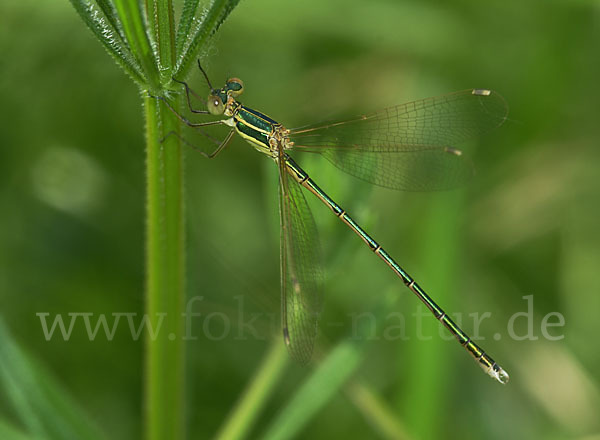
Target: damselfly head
(220,99)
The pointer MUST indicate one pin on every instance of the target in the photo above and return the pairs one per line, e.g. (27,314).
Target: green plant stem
(248,408)
(430,360)
(141,37)
(164,400)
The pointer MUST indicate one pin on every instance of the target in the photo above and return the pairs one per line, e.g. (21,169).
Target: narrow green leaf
(122,55)
(229,7)
(376,412)
(109,11)
(135,25)
(43,406)
(165,38)
(248,408)
(322,385)
(149,16)
(326,380)
(217,13)
(185,23)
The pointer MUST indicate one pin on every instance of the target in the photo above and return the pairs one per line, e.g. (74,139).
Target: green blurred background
(72,204)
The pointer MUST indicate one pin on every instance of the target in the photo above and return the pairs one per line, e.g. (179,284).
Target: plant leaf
(254,398)
(109,11)
(185,23)
(165,38)
(139,34)
(216,14)
(229,7)
(326,380)
(321,386)
(45,409)
(97,24)
(379,415)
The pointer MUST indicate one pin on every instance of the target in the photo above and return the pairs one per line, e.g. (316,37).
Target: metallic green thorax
(264,133)
(255,128)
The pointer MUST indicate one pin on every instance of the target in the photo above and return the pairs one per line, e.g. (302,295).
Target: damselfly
(408,147)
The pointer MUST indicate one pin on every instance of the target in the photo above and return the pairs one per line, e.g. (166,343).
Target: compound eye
(215,105)
(235,86)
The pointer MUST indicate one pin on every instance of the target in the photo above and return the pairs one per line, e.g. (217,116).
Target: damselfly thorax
(262,132)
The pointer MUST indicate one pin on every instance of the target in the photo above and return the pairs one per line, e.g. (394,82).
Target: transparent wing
(301,277)
(426,170)
(410,146)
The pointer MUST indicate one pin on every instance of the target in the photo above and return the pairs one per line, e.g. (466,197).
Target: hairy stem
(165,295)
